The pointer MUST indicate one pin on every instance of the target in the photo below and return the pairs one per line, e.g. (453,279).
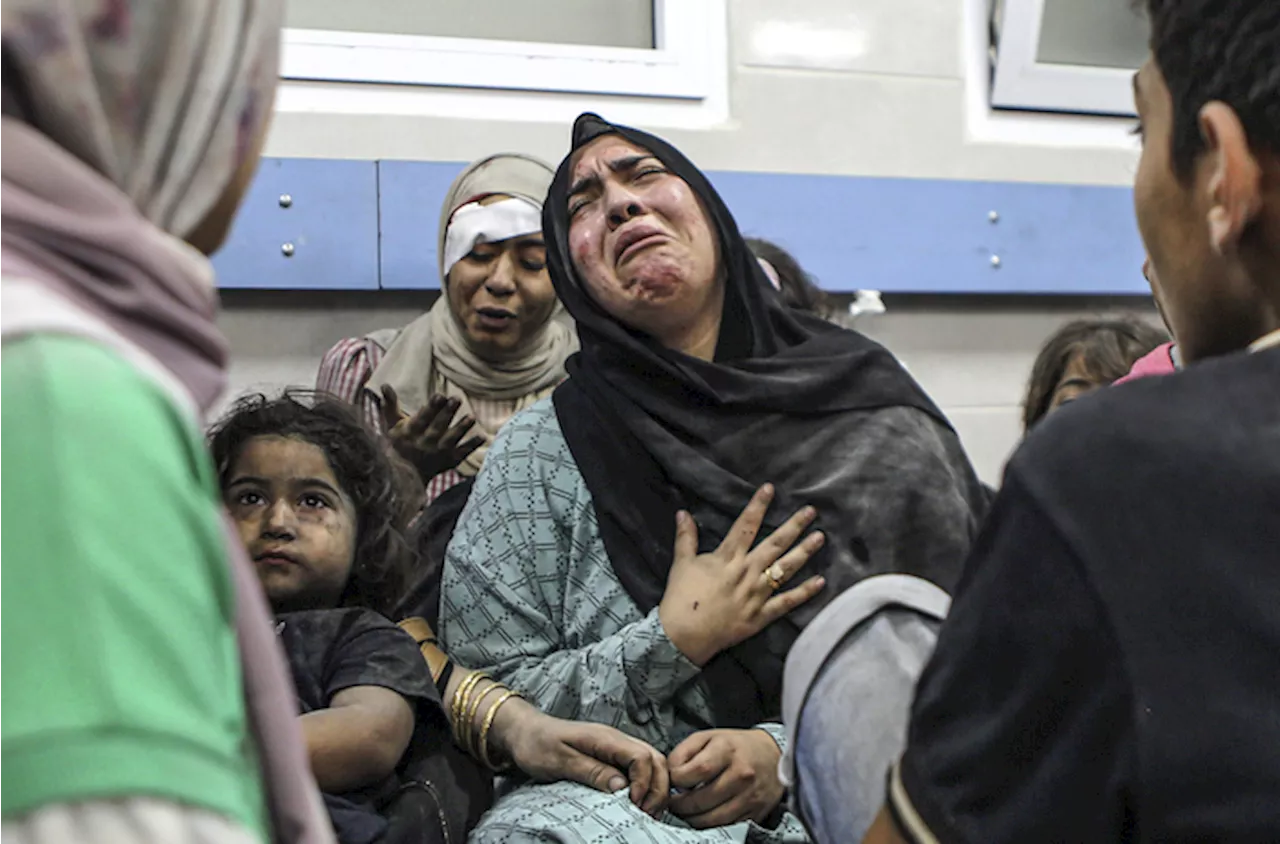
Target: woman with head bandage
(492,344)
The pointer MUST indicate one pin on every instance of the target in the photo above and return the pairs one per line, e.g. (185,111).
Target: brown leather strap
(427,645)
(418,628)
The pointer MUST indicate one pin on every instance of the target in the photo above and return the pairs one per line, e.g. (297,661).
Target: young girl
(311,493)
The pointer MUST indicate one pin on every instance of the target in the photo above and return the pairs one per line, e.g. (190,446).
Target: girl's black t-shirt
(1110,669)
(332,650)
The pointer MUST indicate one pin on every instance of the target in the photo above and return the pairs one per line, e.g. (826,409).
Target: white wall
(897,90)
(877,87)
(974,361)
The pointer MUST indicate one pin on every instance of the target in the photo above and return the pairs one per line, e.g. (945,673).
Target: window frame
(678,68)
(1020,81)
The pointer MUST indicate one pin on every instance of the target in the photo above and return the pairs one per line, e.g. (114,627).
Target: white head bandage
(475,223)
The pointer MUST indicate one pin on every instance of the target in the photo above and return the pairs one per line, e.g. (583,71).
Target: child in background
(312,494)
(1082,356)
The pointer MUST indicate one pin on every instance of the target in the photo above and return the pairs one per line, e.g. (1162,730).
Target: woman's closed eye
(640,174)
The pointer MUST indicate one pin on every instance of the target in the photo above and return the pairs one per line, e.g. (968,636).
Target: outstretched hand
(426,438)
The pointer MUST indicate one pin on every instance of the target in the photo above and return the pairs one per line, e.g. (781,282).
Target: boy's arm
(359,739)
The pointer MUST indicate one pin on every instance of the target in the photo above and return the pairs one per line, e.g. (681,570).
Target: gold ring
(774,574)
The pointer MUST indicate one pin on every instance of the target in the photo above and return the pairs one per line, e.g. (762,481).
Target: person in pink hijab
(146,697)
(1163,359)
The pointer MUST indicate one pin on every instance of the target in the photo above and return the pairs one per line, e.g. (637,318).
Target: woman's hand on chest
(716,600)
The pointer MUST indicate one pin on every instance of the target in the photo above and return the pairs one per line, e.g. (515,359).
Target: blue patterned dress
(529,596)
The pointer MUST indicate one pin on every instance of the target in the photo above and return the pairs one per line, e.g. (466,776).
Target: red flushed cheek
(671,198)
(580,249)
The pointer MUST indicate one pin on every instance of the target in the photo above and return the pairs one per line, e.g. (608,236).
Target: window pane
(1101,33)
(607,23)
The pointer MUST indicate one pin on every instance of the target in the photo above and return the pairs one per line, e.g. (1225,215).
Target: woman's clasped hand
(713,778)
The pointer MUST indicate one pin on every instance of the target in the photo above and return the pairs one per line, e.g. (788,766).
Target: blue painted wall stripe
(936,236)
(364,225)
(410,204)
(325,236)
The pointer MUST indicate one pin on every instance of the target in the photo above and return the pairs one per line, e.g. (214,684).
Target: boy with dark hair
(1109,668)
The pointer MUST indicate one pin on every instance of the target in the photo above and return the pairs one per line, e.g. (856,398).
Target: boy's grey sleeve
(847,694)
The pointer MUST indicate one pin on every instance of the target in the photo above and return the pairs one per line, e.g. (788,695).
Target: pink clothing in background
(1159,361)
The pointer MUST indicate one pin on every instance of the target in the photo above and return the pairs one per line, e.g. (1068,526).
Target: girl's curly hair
(380,564)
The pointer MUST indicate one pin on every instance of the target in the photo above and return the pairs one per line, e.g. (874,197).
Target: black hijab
(653,430)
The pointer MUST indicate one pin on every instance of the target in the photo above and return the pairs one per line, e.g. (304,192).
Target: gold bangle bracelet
(464,726)
(453,703)
(466,732)
(477,699)
(458,704)
(488,725)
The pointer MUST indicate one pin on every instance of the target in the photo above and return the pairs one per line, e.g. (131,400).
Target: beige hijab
(433,354)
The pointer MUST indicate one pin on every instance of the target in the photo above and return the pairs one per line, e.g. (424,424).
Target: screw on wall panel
(285,200)
(993,216)
(287,249)
(995,262)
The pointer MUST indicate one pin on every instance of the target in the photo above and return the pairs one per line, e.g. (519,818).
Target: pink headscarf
(124,123)
(1158,361)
